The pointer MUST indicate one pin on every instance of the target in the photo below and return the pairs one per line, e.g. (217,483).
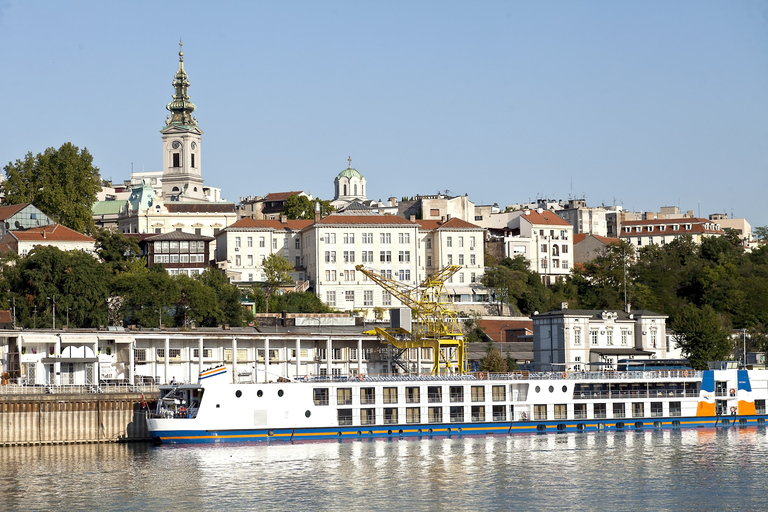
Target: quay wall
(70,419)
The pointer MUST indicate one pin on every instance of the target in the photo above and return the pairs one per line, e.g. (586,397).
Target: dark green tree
(75,280)
(493,362)
(115,249)
(299,302)
(62,183)
(701,335)
(278,272)
(302,207)
(144,296)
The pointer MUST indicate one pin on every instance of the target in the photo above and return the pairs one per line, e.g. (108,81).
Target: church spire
(181,108)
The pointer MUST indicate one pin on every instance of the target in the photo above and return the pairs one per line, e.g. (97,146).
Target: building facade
(661,231)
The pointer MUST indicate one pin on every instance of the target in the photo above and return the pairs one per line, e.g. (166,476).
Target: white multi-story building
(542,237)
(661,231)
(575,339)
(242,247)
(335,244)
(454,242)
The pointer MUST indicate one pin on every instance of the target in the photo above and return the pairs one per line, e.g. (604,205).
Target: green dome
(350,173)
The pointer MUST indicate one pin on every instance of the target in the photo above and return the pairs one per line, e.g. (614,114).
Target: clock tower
(182,180)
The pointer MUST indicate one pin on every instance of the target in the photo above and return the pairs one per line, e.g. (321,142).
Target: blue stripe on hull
(455,429)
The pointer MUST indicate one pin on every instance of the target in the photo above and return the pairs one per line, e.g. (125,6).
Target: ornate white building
(349,187)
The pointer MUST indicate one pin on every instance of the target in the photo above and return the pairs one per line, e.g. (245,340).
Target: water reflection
(660,470)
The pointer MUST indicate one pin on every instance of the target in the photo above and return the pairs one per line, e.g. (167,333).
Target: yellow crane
(432,325)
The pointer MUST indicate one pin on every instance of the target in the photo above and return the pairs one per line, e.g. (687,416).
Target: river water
(697,469)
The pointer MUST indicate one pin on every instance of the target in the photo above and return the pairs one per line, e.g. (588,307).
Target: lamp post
(68,317)
(52,298)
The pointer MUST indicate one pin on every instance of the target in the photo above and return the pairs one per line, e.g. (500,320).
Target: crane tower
(432,324)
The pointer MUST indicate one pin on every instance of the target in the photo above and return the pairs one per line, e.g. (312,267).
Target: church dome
(349,172)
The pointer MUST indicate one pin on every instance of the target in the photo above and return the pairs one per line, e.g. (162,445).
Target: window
(297,243)
(237,242)
(618,410)
(429,261)
(368,298)
(412,415)
(580,411)
(249,241)
(609,336)
(478,393)
(499,393)
(404,238)
(461,259)
(320,396)
(450,259)
(540,412)
(330,275)
(330,298)
(344,396)
(238,261)
(434,394)
(471,242)
(577,336)
(385,238)
(385,256)
(389,395)
(367,256)
(349,238)
(274,243)
(404,256)
(367,416)
(457,414)
(140,355)
(428,243)
(176,160)
(349,256)
(599,411)
(412,395)
(330,256)
(344,416)
(449,241)
(561,412)
(367,396)
(367,238)
(456,393)
(593,337)
(250,260)
(675,409)
(657,409)
(478,413)
(390,416)
(349,295)
(624,337)
(435,414)
(404,275)
(386,298)
(638,409)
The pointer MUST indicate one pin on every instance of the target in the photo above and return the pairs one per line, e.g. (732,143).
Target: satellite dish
(18,225)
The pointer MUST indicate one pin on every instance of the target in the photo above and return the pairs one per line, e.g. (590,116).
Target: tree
(507,285)
(302,207)
(493,362)
(299,302)
(115,249)
(760,233)
(473,331)
(278,271)
(511,363)
(701,335)
(145,296)
(62,183)
(75,280)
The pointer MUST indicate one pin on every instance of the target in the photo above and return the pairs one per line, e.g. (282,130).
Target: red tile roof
(294,225)
(583,236)
(455,223)
(365,219)
(697,227)
(493,328)
(52,233)
(11,210)
(545,217)
(281,196)
(181,207)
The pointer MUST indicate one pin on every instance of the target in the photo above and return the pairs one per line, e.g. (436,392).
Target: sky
(635,103)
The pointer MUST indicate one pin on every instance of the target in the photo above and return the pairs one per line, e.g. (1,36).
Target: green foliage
(302,207)
(62,183)
(701,335)
(278,271)
(299,302)
(472,331)
(760,233)
(144,295)
(511,363)
(77,282)
(493,362)
(115,249)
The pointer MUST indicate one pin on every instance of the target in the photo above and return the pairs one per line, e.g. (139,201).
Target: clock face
(194,145)
(176,145)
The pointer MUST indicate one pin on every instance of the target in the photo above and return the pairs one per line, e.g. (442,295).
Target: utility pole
(52,298)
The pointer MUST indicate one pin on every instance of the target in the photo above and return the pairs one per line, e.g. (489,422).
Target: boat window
(367,416)
(345,416)
(580,411)
(457,393)
(618,410)
(638,409)
(499,393)
(478,413)
(390,415)
(434,394)
(259,393)
(599,410)
(412,415)
(367,396)
(412,395)
(561,412)
(457,414)
(320,396)
(499,413)
(657,409)
(238,393)
(344,396)
(390,395)
(478,393)
(540,412)
(435,414)
(760,406)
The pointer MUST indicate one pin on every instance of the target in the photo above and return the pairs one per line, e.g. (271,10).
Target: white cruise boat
(217,410)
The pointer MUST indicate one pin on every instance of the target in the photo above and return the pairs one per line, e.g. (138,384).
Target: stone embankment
(49,416)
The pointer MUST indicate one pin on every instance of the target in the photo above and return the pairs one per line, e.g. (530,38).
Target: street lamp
(68,317)
(52,298)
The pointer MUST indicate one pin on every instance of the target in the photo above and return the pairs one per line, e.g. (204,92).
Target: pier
(73,415)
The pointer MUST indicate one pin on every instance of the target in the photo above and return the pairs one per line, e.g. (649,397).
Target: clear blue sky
(639,103)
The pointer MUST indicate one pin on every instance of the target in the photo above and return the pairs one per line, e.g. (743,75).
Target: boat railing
(620,394)
(77,389)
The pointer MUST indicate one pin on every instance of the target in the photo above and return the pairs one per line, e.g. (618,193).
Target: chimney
(317,211)
(627,307)
(284,219)
(412,218)
(563,305)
